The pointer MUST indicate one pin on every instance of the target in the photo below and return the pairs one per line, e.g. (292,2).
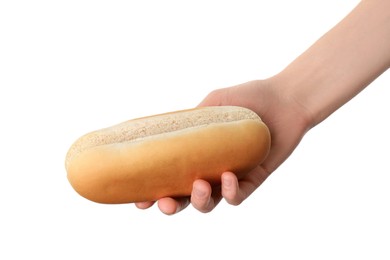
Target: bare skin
(327,75)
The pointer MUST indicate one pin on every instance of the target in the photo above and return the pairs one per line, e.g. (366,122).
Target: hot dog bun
(158,156)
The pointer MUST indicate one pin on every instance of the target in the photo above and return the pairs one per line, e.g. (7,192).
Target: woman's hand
(287,120)
(319,81)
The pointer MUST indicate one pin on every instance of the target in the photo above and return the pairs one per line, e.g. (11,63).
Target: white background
(70,67)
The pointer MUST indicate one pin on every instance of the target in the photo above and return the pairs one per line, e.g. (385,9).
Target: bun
(158,156)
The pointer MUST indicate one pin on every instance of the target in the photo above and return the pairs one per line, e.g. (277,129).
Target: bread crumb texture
(140,128)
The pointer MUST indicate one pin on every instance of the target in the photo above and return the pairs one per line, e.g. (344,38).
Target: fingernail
(199,193)
(227,183)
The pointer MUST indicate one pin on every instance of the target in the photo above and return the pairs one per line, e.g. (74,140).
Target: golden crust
(166,164)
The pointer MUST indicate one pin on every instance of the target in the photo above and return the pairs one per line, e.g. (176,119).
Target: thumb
(214,98)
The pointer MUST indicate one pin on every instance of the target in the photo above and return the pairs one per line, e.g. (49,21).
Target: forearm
(341,63)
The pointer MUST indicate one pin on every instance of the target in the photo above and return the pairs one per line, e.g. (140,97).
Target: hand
(287,120)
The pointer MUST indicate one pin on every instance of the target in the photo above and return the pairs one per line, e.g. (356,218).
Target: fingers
(170,206)
(215,98)
(230,189)
(167,206)
(235,192)
(203,198)
(144,205)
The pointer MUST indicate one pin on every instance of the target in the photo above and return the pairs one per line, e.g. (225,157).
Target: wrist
(288,91)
